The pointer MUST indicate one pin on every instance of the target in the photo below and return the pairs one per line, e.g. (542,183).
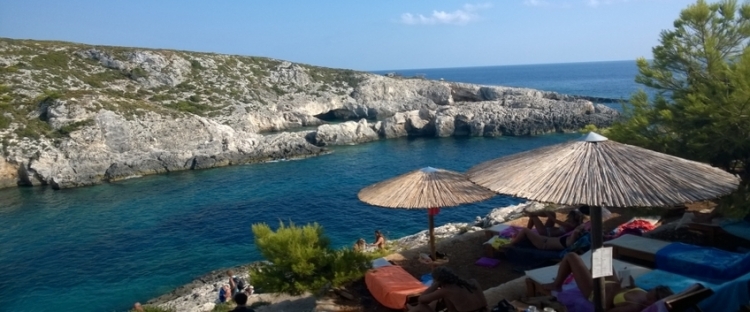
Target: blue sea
(614,80)
(104,247)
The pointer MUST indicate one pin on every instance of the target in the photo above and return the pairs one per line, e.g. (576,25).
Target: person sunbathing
(550,227)
(617,299)
(547,243)
(458,294)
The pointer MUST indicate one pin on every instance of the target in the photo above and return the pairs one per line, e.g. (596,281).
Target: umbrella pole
(432,237)
(596,243)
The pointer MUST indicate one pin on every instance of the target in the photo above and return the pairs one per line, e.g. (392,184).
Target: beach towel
(634,226)
(572,298)
(739,228)
(582,244)
(511,231)
(497,242)
(705,263)
(392,285)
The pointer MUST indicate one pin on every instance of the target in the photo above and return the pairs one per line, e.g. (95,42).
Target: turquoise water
(104,247)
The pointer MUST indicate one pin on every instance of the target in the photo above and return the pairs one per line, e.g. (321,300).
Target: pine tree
(300,259)
(701,74)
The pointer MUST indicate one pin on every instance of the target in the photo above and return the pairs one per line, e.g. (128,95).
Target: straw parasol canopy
(425,188)
(598,172)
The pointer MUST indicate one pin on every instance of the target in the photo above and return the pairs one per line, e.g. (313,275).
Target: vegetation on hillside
(701,72)
(113,78)
(300,259)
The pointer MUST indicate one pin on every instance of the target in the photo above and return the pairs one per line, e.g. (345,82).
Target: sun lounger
(688,299)
(726,235)
(537,277)
(392,286)
(705,263)
(727,296)
(637,247)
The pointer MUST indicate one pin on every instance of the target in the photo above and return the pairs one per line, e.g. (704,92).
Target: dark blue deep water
(615,80)
(101,248)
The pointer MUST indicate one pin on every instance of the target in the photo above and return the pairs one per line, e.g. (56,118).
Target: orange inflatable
(392,285)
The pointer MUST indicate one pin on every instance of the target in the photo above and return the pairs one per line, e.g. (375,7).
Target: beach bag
(580,246)
(240,282)
(503,306)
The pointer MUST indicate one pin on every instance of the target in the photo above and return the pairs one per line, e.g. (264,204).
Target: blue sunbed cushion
(739,228)
(677,283)
(705,263)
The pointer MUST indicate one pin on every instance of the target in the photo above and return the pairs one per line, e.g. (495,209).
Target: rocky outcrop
(114,148)
(8,174)
(345,133)
(83,115)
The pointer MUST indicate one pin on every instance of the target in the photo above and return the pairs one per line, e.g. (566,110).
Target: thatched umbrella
(598,172)
(425,188)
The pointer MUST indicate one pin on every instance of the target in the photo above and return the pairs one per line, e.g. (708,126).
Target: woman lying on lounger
(459,295)
(547,243)
(550,227)
(617,299)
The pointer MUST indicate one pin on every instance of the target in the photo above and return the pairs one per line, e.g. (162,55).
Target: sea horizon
(379,71)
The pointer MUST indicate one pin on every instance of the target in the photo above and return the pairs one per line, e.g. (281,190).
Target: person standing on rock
(232,282)
(379,240)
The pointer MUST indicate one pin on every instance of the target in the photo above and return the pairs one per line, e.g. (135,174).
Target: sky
(358,34)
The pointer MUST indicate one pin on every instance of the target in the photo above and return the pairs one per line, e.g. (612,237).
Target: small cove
(101,248)
(106,246)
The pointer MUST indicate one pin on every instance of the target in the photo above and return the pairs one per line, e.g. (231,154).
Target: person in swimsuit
(547,243)
(379,240)
(617,299)
(458,294)
(550,227)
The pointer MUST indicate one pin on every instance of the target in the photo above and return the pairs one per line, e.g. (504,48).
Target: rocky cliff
(74,115)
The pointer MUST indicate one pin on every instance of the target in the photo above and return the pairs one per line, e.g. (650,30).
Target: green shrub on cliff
(301,260)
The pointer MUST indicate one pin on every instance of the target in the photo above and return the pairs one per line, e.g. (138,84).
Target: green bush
(69,128)
(223,307)
(195,64)
(278,90)
(137,72)
(190,107)
(301,260)
(97,80)
(54,59)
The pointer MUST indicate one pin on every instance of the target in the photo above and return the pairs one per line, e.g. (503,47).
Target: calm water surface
(107,246)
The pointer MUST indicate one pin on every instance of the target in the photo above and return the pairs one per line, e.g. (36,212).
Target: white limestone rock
(346,133)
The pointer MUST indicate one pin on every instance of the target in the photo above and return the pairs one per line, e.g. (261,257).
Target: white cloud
(596,3)
(468,13)
(536,3)
(546,4)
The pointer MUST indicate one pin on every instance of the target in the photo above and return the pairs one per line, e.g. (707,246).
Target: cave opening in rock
(338,115)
